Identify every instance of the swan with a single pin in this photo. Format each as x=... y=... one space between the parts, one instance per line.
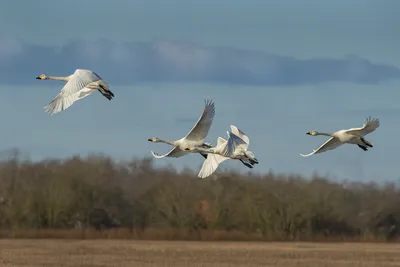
x=237 y=147
x=79 y=85
x=216 y=154
x=194 y=138
x=350 y=136
x=214 y=158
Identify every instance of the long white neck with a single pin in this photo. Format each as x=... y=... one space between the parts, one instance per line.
x=58 y=78
x=206 y=150
x=326 y=134
x=172 y=143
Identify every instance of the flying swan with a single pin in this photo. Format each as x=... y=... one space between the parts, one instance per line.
x=215 y=154
x=194 y=138
x=350 y=136
x=79 y=85
x=237 y=147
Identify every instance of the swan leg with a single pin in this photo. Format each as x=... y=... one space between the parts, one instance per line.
x=366 y=142
x=247 y=164
x=107 y=93
x=253 y=161
x=105 y=89
x=363 y=147
x=204 y=155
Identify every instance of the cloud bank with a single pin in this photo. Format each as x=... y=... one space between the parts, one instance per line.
x=165 y=61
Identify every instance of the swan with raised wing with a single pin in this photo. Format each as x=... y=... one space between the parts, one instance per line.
x=350 y=136
x=78 y=85
x=216 y=157
x=195 y=138
x=238 y=144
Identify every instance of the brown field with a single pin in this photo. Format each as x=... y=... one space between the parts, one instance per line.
x=182 y=253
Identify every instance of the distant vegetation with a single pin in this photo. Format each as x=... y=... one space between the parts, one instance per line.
x=97 y=197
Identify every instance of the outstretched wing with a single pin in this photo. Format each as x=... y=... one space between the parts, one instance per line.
x=173 y=153
x=221 y=141
x=73 y=90
x=60 y=102
x=239 y=133
x=78 y=81
x=210 y=165
x=369 y=126
x=332 y=143
x=234 y=142
x=200 y=130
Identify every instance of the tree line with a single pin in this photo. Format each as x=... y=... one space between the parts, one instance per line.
x=102 y=194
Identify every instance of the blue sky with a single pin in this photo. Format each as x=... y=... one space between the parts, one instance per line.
x=276 y=69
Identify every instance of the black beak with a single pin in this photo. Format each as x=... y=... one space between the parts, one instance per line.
x=150 y=140
x=38 y=78
x=308 y=133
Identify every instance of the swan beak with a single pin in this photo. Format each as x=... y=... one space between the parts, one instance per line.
x=150 y=139
x=38 y=78
x=309 y=133
x=188 y=148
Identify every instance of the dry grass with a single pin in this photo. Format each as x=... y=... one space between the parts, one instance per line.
x=174 y=234
x=185 y=254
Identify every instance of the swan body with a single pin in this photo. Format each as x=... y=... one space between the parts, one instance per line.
x=195 y=137
x=350 y=136
x=237 y=147
x=216 y=155
x=213 y=159
x=78 y=85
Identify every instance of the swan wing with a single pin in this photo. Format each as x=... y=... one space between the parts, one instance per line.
x=234 y=143
x=369 y=126
x=75 y=89
x=239 y=133
x=210 y=165
x=332 y=143
x=60 y=102
x=201 y=128
x=220 y=141
x=176 y=152
x=79 y=80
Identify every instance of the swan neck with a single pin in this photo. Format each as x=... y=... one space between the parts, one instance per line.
x=207 y=150
x=326 y=134
x=58 y=78
x=168 y=142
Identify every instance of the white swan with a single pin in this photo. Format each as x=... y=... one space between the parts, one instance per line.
x=350 y=136
x=214 y=158
x=79 y=85
x=237 y=147
x=194 y=138
x=215 y=155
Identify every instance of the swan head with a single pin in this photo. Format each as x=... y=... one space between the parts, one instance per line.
x=154 y=139
x=42 y=77
x=312 y=133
